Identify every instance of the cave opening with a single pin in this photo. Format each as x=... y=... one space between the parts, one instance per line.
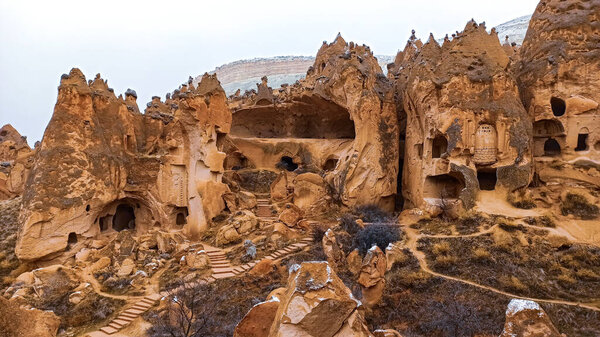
x=439 y=146
x=72 y=239
x=124 y=218
x=311 y=118
x=181 y=218
x=287 y=163
x=487 y=180
x=330 y=164
x=559 y=107
x=104 y=223
x=582 y=140
x=443 y=186
x=551 y=148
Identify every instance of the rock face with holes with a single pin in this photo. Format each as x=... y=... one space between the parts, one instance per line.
x=466 y=129
x=527 y=319
x=339 y=124
x=317 y=303
x=104 y=166
x=559 y=78
x=16 y=159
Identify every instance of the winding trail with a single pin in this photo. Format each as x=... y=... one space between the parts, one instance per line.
x=413 y=237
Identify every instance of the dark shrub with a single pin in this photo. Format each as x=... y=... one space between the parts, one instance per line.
x=372 y=213
x=349 y=224
x=376 y=234
x=578 y=205
x=318 y=232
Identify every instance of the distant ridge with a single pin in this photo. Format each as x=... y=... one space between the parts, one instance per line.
x=244 y=74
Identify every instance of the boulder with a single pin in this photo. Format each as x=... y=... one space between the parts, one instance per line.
x=279 y=187
x=17 y=321
x=331 y=249
x=372 y=276
x=197 y=259
x=290 y=215
x=394 y=253
x=317 y=303
x=263 y=268
x=354 y=262
x=310 y=193
x=55 y=280
x=126 y=267
x=102 y=263
x=227 y=234
x=526 y=318
x=246 y=200
x=258 y=320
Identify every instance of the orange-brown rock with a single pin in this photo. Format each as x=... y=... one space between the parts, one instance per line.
x=466 y=129
x=16 y=159
x=332 y=250
x=16 y=321
x=103 y=166
x=291 y=214
x=263 y=268
x=258 y=320
x=339 y=123
x=526 y=318
x=372 y=276
x=317 y=303
x=559 y=79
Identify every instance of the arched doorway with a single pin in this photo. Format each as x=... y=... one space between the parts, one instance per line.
x=124 y=218
x=551 y=148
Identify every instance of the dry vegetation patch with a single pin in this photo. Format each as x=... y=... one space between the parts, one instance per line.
x=521 y=261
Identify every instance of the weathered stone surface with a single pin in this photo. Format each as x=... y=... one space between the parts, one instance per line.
x=197 y=259
x=16 y=160
x=372 y=276
x=386 y=333
x=317 y=303
x=258 y=320
x=238 y=224
x=464 y=119
x=326 y=124
x=16 y=321
x=310 y=193
x=110 y=167
x=558 y=74
x=332 y=250
x=527 y=319
x=290 y=215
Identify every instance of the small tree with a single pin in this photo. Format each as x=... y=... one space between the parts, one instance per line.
x=184 y=315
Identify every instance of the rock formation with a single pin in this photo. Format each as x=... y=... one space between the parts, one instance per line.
x=339 y=122
x=466 y=129
x=372 y=276
x=103 y=166
x=527 y=319
x=317 y=303
x=16 y=159
x=20 y=322
x=559 y=79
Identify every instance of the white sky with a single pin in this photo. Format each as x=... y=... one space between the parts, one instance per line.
x=153 y=46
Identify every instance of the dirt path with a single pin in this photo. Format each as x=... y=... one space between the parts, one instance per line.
x=488 y=202
x=412 y=238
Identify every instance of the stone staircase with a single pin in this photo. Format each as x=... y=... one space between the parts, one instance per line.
x=221 y=269
x=264 y=210
x=132 y=312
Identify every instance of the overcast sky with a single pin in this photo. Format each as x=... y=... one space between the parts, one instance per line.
x=153 y=46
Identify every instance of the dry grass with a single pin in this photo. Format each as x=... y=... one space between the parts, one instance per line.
x=9 y=226
x=523 y=262
x=579 y=206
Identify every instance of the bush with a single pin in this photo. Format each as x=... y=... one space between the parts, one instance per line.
x=317 y=233
x=540 y=221
x=372 y=213
x=523 y=202
x=376 y=234
x=578 y=205
x=349 y=224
